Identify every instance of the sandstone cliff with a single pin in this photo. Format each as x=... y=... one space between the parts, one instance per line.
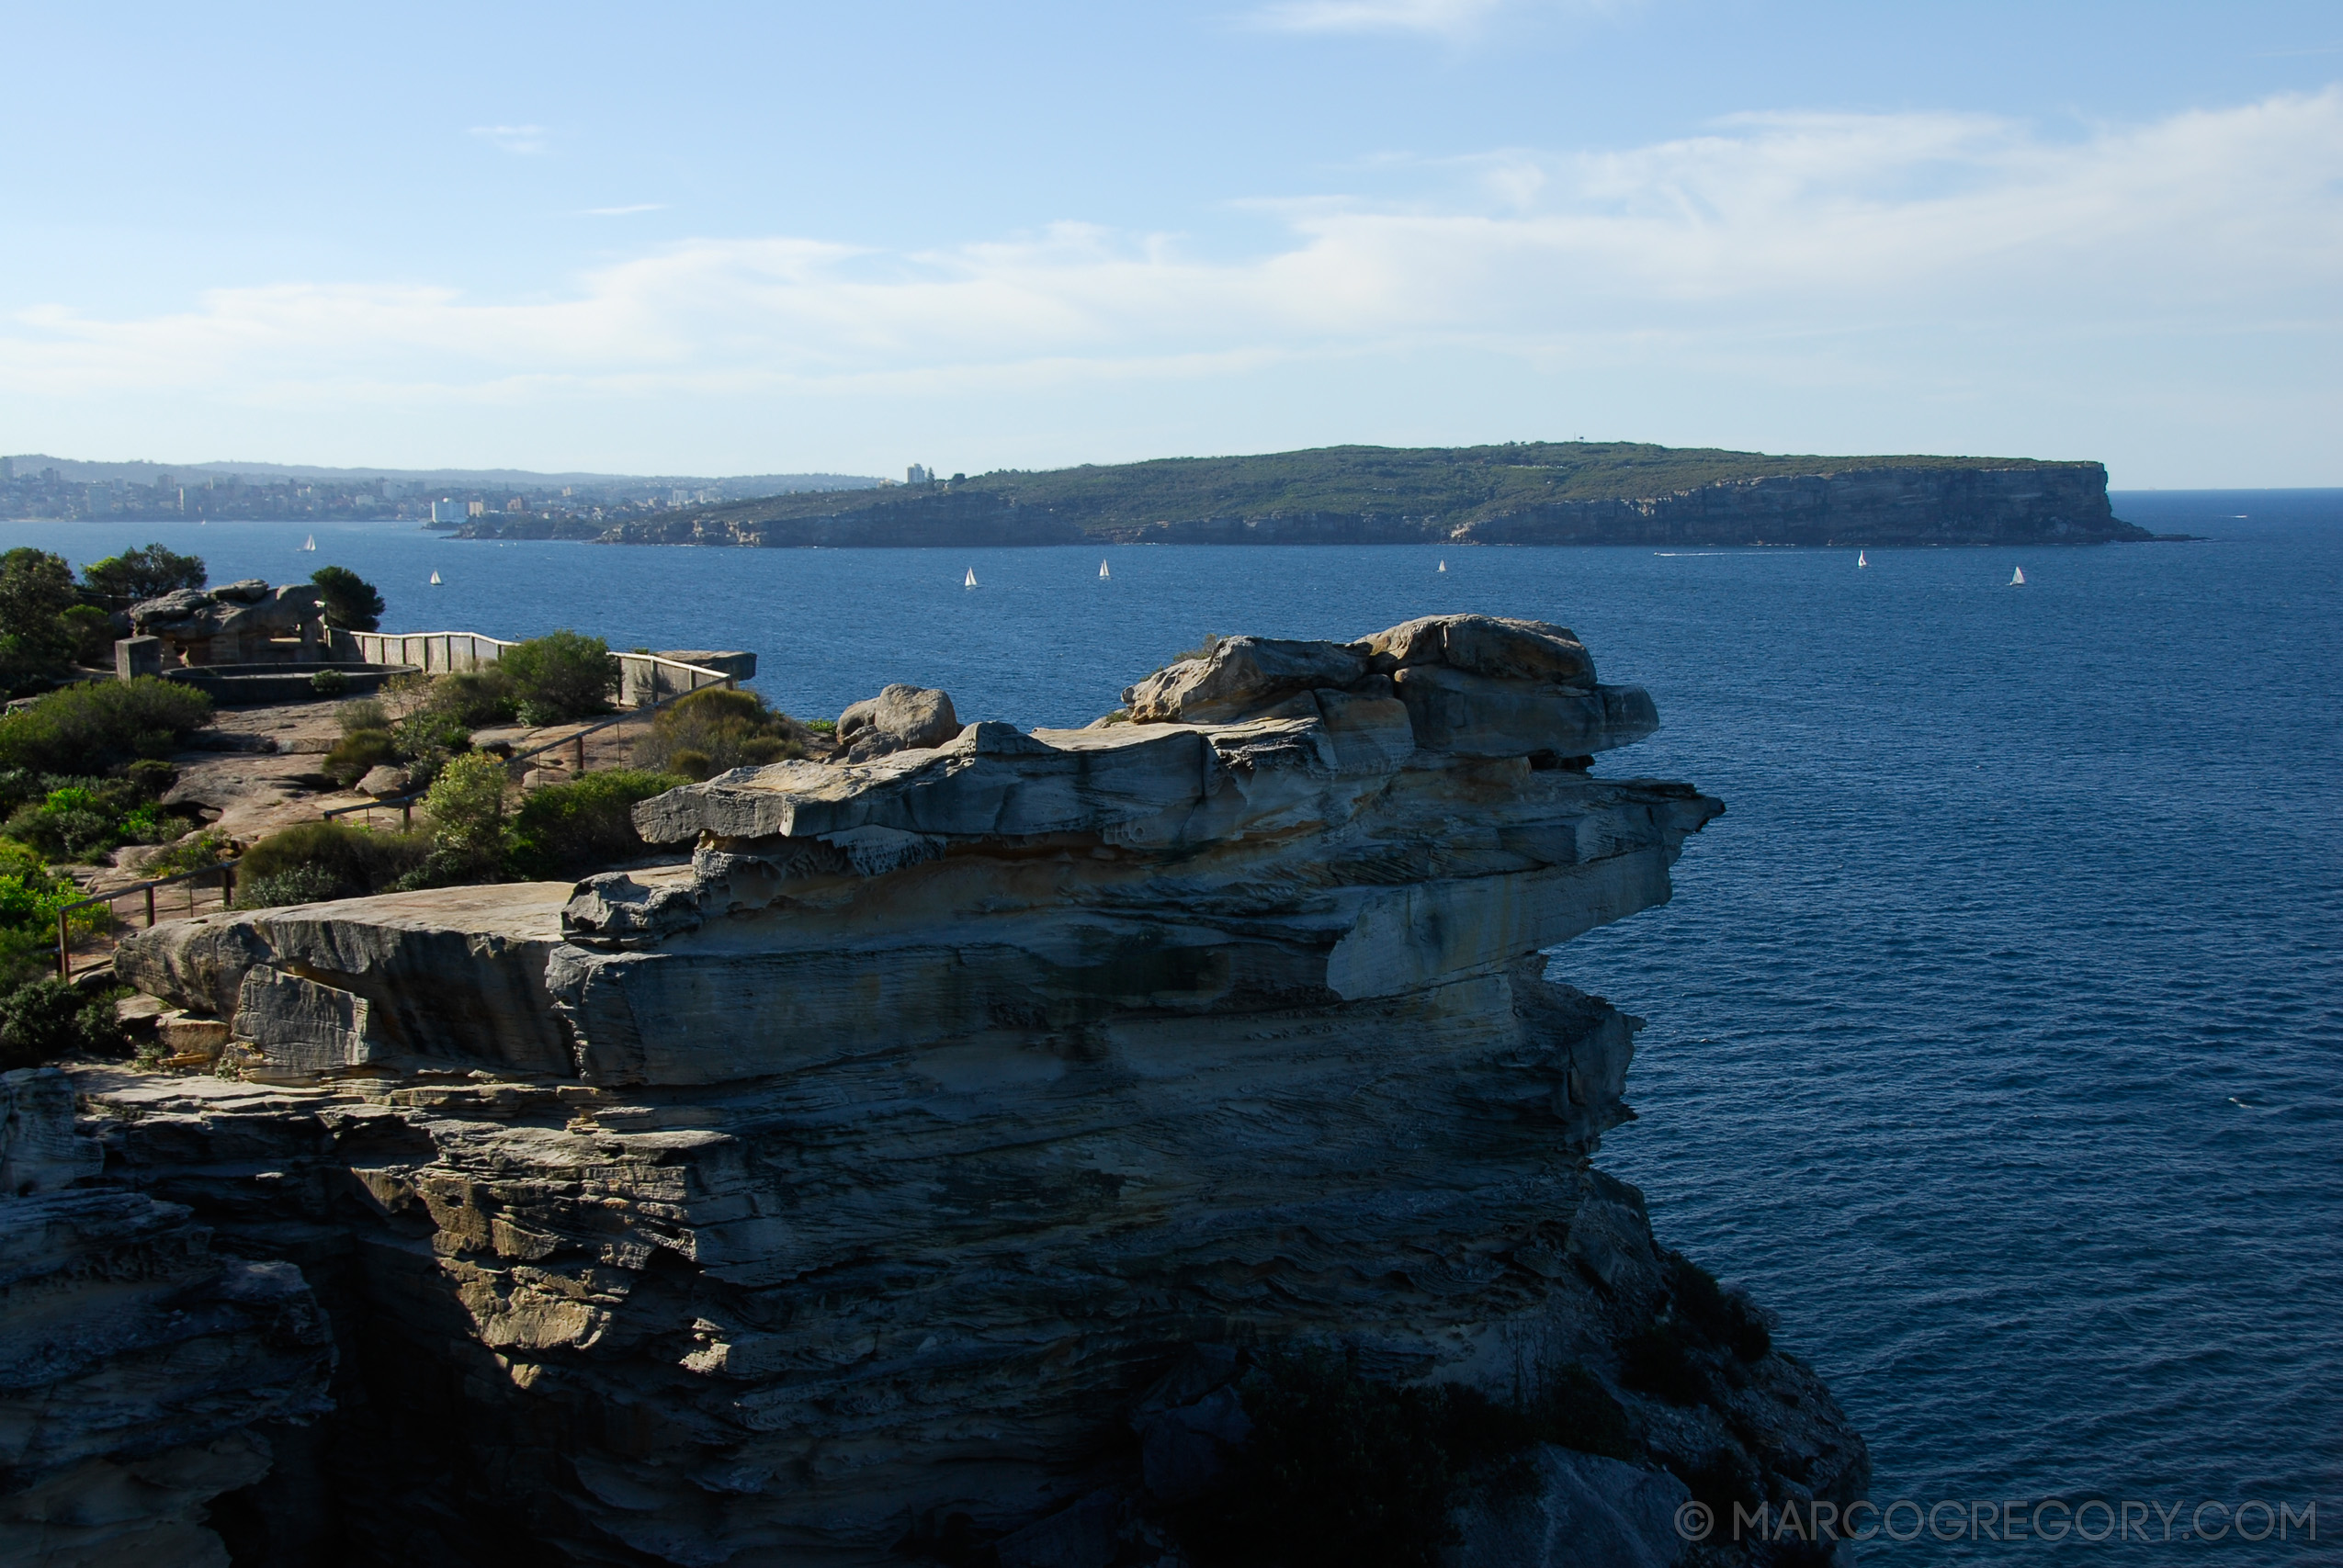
x=915 y=1164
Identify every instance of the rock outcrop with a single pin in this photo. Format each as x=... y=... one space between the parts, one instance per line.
x=142 y=1375
x=878 y=1177
x=235 y=623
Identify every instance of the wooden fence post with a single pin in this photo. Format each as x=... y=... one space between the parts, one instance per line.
x=64 y=950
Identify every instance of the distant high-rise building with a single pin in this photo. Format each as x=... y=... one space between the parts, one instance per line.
x=452 y=511
x=475 y=509
x=916 y=474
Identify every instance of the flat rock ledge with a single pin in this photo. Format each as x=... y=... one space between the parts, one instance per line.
x=914 y=1164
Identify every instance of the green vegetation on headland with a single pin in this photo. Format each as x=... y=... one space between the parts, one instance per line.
x=1523 y=492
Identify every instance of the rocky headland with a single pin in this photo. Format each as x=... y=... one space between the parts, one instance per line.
x=930 y=1155
x=1521 y=493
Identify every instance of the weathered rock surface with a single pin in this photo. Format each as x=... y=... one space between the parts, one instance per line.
x=140 y=1373
x=863 y=1183
x=901 y=718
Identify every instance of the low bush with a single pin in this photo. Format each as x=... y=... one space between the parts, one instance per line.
x=44 y=1020
x=365 y=712
x=195 y=852
x=472 y=698
x=1662 y=1360
x=100 y=725
x=1722 y=1317
x=717 y=729
x=312 y=861
x=1344 y=1472
x=359 y=752
x=88 y=819
x=559 y=677
x=330 y=682
x=31 y=896
x=565 y=830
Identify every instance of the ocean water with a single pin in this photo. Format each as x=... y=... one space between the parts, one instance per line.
x=1995 y=1033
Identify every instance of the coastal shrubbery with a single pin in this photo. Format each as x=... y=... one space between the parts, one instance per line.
x=716 y=729
x=143 y=573
x=558 y=677
x=347 y=600
x=102 y=725
x=1342 y=1471
x=312 y=862
x=568 y=829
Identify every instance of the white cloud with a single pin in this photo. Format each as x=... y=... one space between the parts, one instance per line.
x=524 y=139
x=624 y=212
x=1793 y=246
x=1447 y=18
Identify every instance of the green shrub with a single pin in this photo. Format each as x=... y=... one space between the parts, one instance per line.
x=330 y=682
x=426 y=738
x=86 y=818
x=44 y=1020
x=36 y=590
x=1661 y=1359
x=151 y=777
x=31 y=896
x=312 y=861
x=147 y=574
x=1721 y=1317
x=102 y=725
x=559 y=677
x=195 y=852
x=359 y=752
x=300 y=884
x=466 y=805
x=1344 y=1471
x=365 y=712
x=565 y=830
x=472 y=698
x=716 y=729
x=90 y=631
x=350 y=602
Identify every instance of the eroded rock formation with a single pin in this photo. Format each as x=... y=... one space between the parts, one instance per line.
x=913 y=1167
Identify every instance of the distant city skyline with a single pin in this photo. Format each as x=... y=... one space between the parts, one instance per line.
x=591 y=241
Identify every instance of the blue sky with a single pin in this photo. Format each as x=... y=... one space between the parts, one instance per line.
x=722 y=239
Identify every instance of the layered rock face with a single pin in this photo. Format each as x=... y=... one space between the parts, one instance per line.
x=877 y=1178
x=2048 y=503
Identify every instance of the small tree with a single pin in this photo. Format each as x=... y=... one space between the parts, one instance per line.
x=351 y=602
x=467 y=810
x=559 y=676
x=36 y=590
x=146 y=573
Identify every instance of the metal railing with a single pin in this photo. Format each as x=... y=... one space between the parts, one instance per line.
x=644 y=679
x=224 y=872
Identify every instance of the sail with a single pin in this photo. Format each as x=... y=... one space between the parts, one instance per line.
x=309 y=543
x=1102 y=571
x=1443 y=566
x=971 y=582
x=434 y=579
x=2017 y=578
x=1861 y=559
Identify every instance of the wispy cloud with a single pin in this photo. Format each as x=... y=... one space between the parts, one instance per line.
x=526 y=139
x=623 y=211
x=1447 y=18
x=1781 y=234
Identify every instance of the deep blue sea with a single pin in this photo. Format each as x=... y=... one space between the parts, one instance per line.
x=1996 y=1032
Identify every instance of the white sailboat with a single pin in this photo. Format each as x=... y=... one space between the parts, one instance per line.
x=1861 y=559
x=309 y=543
x=434 y=577
x=1102 y=571
x=1443 y=566
x=2017 y=578
x=971 y=582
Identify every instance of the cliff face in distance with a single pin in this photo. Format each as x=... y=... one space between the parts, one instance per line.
x=1521 y=493
x=930 y=1159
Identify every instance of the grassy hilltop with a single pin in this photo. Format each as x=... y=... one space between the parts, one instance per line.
x=1456 y=484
